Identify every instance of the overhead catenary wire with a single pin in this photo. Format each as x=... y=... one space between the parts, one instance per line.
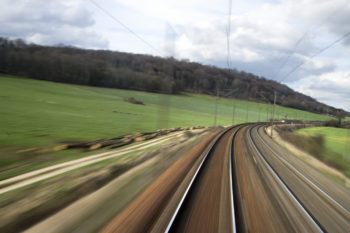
x=335 y=11
x=285 y=61
x=297 y=44
x=170 y=37
x=228 y=35
x=125 y=27
x=316 y=54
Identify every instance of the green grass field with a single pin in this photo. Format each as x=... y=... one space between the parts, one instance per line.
x=336 y=139
x=36 y=113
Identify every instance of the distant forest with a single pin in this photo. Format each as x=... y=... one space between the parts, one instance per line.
x=111 y=69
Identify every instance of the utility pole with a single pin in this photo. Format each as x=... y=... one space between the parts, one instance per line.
x=347 y=146
x=216 y=105
x=163 y=111
x=233 y=112
x=273 y=112
x=246 y=115
x=267 y=115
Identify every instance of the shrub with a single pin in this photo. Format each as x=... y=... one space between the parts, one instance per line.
x=188 y=133
x=132 y=100
x=332 y=123
x=315 y=145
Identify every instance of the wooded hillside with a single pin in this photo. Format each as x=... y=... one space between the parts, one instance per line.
x=141 y=72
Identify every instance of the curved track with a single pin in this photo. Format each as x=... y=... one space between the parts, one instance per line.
x=209 y=205
x=238 y=181
x=312 y=196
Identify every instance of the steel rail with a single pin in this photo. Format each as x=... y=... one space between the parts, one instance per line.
x=284 y=185
x=234 y=224
x=195 y=176
x=308 y=181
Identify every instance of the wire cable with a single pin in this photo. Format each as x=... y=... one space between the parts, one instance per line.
x=316 y=54
x=334 y=12
x=228 y=34
x=289 y=55
x=125 y=27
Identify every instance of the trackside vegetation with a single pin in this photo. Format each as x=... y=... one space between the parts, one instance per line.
x=327 y=144
x=335 y=139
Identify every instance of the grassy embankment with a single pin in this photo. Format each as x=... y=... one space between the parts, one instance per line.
x=328 y=144
x=37 y=113
x=335 y=139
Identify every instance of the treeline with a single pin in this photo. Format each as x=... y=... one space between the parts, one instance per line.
x=141 y=72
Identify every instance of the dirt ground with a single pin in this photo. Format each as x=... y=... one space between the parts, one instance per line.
x=90 y=213
x=141 y=214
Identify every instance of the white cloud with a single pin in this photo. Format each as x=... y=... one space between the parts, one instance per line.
x=50 y=22
x=332 y=16
x=331 y=88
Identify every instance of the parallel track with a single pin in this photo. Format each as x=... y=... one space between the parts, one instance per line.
x=284 y=185
x=305 y=178
x=240 y=182
x=328 y=213
x=181 y=208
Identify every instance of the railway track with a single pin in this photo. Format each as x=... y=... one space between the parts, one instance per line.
x=292 y=196
x=327 y=214
x=236 y=180
x=307 y=180
x=239 y=182
x=187 y=220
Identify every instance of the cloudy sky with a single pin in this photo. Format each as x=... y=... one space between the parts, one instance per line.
x=268 y=37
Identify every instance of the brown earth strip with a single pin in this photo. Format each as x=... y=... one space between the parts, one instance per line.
x=140 y=215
